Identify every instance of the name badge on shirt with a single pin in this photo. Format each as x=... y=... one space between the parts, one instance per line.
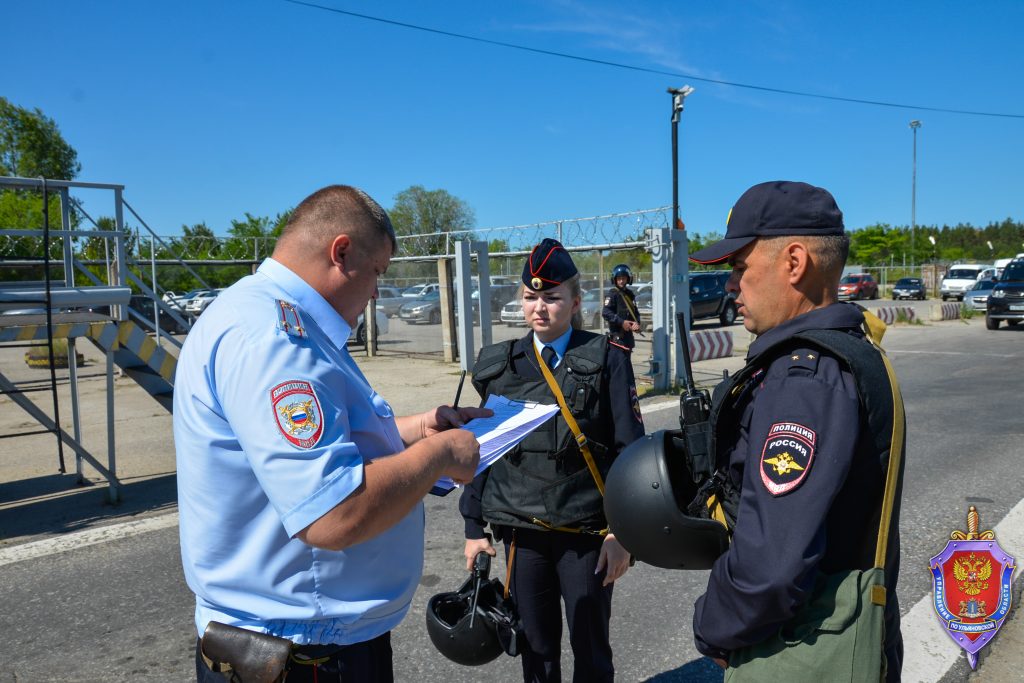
x=297 y=411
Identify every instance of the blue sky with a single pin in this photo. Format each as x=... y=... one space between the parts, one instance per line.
x=206 y=110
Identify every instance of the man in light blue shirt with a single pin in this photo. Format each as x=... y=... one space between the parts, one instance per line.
x=300 y=492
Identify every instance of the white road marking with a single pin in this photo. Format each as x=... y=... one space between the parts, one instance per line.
x=928 y=651
x=86 y=537
x=663 y=405
x=952 y=353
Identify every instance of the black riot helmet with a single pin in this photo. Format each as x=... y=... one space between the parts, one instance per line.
x=622 y=269
x=475 y=624
x=647 y=494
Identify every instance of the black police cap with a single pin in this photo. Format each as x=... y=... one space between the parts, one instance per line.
x=548 y=265
x=776 y=208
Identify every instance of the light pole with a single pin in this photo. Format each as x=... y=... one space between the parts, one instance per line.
x=678 y=95
x=914 y=125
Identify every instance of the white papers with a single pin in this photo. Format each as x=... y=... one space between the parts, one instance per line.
x=511 y=423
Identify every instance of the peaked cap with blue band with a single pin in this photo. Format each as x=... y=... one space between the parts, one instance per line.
x=548 y=265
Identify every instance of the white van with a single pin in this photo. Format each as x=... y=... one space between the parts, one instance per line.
x=962 y=277
x=1003 y=262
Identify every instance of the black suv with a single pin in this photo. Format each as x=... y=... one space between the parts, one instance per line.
x=1006 y=302
x=708 y=299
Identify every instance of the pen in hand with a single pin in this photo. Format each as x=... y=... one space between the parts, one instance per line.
x=458 y=392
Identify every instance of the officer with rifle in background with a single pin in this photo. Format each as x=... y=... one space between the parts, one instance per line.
x=620 y=310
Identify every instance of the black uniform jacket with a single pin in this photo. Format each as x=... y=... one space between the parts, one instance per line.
x=618 y=406
x=803 y=404
x=616 y=311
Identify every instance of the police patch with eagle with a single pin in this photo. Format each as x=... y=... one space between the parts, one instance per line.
x=786 y=457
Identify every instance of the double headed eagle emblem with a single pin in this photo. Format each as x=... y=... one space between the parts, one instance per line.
x=784 y=463
x=972 y=574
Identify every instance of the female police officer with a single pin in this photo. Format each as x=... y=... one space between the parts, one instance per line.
x=544 y=499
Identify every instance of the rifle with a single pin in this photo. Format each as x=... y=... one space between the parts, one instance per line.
x=694 y=416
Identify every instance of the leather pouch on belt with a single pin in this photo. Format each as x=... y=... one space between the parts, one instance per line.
x=253 y=657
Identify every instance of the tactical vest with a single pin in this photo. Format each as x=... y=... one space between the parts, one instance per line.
x=873 y=390
x=544 y=481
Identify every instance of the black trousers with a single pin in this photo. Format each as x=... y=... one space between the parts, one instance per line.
x=549 y=565
x=368 y=662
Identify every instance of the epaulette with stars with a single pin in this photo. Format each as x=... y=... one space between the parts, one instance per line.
x=289 y=320
x=802 y=359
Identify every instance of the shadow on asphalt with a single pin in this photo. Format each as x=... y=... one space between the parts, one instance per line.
x=703 y=670
x=56 y=504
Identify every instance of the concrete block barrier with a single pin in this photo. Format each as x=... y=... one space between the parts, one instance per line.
x=946 y=311
x=889 y=314
x=708 y=344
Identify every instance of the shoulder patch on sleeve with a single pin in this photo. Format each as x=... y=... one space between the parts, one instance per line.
x=289 y=320
x=297 y=412
x=607 y=301
x=787 y=456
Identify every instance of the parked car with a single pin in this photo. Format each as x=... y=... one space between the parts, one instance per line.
x=200 y=302
x=179 y=301
x=500 y=295
x=858 y=286
x=358 y=334
x=417 y=291
x=1006 y=302
x=976 y=298
x=708 y=299
x=425 y=309
x=389 y=300
x=140 y=310
x=909 y=288
x=590 y=309
x=512 y=313
x=962 y=277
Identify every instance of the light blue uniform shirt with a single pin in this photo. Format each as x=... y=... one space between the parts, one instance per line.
x=558 y=345
x=271 y=431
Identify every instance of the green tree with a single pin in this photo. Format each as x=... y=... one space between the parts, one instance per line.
x=31 y=145
x=418 y=211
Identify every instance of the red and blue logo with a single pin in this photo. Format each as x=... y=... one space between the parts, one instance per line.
x=297 y=412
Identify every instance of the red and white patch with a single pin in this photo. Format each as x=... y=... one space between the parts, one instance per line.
x=786 y=457
x=297 y=412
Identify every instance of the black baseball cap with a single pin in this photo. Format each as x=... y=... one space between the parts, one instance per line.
x=548 y=265
x=779 y=207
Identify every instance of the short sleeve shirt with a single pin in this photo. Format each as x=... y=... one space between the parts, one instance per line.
x=273 y=421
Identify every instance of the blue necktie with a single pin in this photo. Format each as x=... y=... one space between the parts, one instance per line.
x=549 y=356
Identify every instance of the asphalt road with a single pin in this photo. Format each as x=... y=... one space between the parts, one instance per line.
x=120 y=610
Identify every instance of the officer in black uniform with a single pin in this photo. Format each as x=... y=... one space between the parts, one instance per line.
x=620 y=309
x=544 y=499
x=804 y=447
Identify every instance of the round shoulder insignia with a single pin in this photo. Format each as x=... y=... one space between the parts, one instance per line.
x=297 y=413
x=786 y=457
x=536 y=284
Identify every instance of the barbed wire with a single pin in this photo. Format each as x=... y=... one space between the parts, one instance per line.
x=606 y=231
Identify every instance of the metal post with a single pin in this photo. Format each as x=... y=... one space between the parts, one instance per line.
x=483 y=271
x=69 y=281
x=122 y=267
x=448 y=342
x=370 y=328
x=914 y=125
x=114 y=494
x=660 y=242
x=463 y=291
x=677 y=275
x=680 y=299
x=152 y=268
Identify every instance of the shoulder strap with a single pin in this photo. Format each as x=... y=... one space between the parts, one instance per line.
x=581 y=438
